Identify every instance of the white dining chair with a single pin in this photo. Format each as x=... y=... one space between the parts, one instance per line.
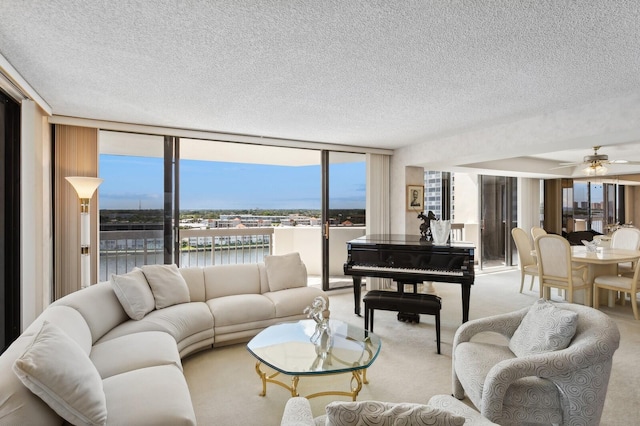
x=625 y=285
x=626 y=239
x=536 y=231
x=556 y=269
x=527 y=262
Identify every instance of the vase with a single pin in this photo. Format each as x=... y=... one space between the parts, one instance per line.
x=440 y=230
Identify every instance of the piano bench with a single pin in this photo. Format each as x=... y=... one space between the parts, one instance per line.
x=403 y=303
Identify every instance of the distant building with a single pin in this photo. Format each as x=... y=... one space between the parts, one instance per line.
x=435 y=183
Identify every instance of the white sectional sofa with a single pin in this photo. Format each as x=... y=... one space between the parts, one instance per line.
x=86 y=360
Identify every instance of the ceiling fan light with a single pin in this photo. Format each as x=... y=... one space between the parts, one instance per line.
x=601 y=170
x=595 y=170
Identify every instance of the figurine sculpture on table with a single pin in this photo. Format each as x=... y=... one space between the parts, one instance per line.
x=321 y=338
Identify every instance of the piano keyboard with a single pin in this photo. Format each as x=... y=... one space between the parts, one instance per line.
x=457 y=273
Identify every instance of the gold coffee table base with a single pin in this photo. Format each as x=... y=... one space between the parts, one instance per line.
x=357 y=376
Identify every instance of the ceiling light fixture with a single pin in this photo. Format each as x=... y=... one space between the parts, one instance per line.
x=595 y=169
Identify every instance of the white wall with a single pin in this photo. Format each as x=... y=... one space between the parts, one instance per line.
x=36 y=231
x=307 y=240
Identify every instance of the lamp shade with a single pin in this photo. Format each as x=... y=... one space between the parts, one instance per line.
x=84 y=186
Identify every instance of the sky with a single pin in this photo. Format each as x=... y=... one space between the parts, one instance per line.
x=580 y=192
x=136 y=182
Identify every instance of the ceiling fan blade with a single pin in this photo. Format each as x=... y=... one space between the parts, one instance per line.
x=623 y=162
x=565 y=165
x=570 y=164
x=619 y=162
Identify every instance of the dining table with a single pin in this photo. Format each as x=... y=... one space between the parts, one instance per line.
x=603 y=261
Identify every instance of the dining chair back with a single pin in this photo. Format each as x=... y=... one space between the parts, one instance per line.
x=536 y=231
x=527 y=262
x=626 y=239
x=626 y=285
x=555 y=268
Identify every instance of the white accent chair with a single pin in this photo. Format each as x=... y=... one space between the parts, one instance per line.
x=527 y=262
x=556 y=269
x=549 y=385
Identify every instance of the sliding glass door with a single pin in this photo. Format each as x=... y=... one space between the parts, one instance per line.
x=498 y=215
x=344 y=212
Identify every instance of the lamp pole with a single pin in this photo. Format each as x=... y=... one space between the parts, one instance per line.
x=85 y=187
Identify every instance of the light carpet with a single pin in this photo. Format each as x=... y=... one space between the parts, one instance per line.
x=225 y=386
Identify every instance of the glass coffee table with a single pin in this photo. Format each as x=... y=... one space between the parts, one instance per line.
x=298 y=349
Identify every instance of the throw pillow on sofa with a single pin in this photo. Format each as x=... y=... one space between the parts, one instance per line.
x=134 y=293
x=363 y=413
x=544 y=328
x=285 y=271
x=55 y=368
x=167 y=285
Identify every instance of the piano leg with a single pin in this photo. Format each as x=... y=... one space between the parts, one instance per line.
x=357 y=286
x=466 y=296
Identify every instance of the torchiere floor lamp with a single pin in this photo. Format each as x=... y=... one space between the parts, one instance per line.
x=85 y=187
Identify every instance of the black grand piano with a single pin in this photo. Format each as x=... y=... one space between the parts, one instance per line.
x=407 y=259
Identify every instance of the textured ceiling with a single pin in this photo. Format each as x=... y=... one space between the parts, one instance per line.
x=384 y=74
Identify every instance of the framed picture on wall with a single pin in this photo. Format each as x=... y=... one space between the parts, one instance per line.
x=415 y=198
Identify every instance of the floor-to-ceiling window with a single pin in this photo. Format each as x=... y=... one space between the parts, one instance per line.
x=131 y=202
x=234 y=200
x=592 y=206
x=9 y=220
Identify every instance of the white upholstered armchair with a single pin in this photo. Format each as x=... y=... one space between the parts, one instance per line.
x=532 y=378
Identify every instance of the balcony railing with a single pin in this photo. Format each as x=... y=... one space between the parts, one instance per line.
x=204 y=247
x=121 y=251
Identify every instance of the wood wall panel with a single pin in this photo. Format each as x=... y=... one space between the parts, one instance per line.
x=75 y=154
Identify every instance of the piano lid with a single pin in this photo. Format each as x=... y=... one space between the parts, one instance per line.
x=404 y=239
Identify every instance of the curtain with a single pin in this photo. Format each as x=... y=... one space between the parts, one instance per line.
x=378 y=205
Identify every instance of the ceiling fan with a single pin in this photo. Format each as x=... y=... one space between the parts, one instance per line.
x=595 y=164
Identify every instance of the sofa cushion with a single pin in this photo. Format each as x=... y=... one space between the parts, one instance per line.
x=294 y=301
x=167 y=284
x=145 y=349
x=194 y=278
x=240 y=309
x=149 y=396
x=67 y=319
x=134 y=293
x=285 y=271
x=99 y=307
x=179 y=321
x=231 y=280
x=363 y=413
x=55 y=368
x=544 y=328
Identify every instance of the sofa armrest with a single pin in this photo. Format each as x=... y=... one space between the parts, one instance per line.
x=553 y=366
x=297 y=412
